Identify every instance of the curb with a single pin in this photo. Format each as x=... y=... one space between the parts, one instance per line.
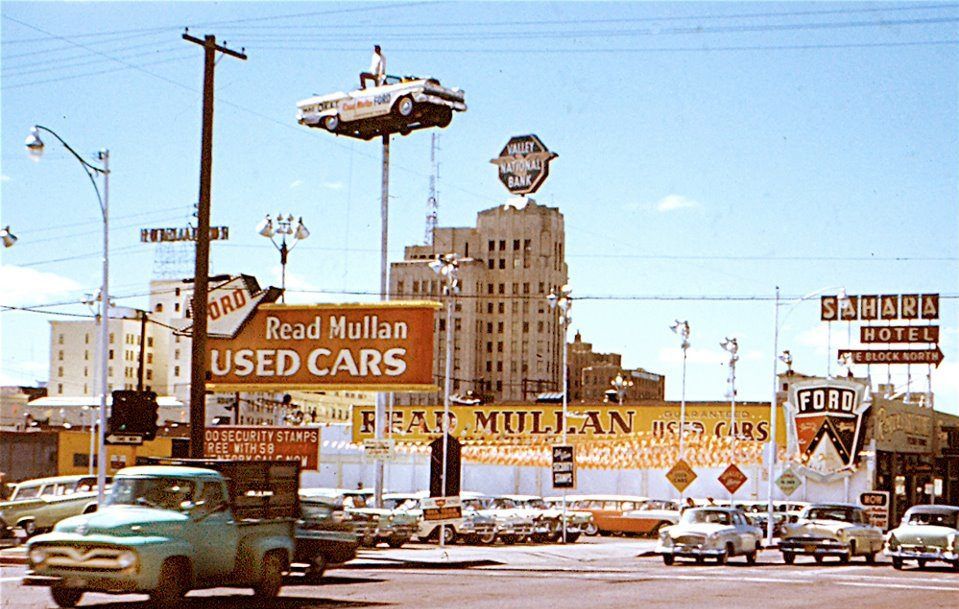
x=404 y=564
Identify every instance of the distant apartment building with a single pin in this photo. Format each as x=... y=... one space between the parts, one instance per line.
x=507 y=341
x=591 y=375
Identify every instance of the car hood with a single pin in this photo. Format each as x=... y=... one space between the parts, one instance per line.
x=818 y=528
x=927 y=535
x=703 y=528
x=120 y=521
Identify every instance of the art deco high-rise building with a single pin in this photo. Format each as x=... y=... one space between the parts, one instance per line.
x=507 y=340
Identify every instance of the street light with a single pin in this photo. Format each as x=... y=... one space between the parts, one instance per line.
x=682 y=329
x=447 y=267
x=35 y=148
x=731 y=346
x=283 y=227
x=8 y=238
x=621 y=384
x=563 y=300
x=786 y=357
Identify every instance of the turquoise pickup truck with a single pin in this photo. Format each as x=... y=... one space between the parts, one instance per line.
x=173 y=526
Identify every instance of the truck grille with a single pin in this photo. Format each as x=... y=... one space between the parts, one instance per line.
x=690 y=540
x=76 y=558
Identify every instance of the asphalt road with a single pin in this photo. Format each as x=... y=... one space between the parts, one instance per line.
x=550 y=577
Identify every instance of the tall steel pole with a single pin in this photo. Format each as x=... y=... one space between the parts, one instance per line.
x=565 y=313
x=773 y=409
x=382 y=397
x=104 y=332
x=446 y=397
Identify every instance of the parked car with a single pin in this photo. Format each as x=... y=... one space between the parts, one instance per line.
x=372 y=525
x=323 y=537
x=927 y=533
x=36 y=505
x=514 y=523
x=174 y=527
x=652 y=516
x=608 y=511
x=548 y=518
x=831 y=529
x=710 y=532
x=401 y=104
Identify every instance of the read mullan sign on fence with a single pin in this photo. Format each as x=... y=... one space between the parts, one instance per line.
x=377 y=347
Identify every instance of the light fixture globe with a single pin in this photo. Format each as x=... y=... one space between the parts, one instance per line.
x=7 y=237
x=34 y=144
x=265 y=227
x=301 y=232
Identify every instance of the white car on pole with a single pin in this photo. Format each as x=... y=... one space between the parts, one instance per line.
x=400 y=105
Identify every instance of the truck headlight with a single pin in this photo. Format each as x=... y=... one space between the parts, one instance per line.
x=127 y=559
x=38 y=556
x=952 y=541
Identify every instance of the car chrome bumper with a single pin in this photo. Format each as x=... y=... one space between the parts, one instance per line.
x=812 y=548
x=691 y=551
x=89 y=582
x=926 y=554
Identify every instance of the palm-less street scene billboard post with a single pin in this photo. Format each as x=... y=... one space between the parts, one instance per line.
x=201 y=395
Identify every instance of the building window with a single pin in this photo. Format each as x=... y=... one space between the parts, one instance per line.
x=60 y=339
x=111 y=338
x=86 y=355
x=176 y=306
x=489 y=366
x=489 y=346
x=491 y=263
x=489 y=307
x=111 y=353
x=159 y=308
x=499 y=346
x=110 y=371
x=176 y=371
x=60 y=371
x=502 y=308
x=491 y=245
x=525 y=327
x=149 y=375
x=86 y=339
x=176 y=292
x=499 y=366
x=176 y=354
x=501 y=288
x=502 y=263
x=60 y=388
x=499 y=327
x=489 y=327
x=499 y=386
x=60 y=356
x=86 y=371
x=400 y=287
x=515 y=245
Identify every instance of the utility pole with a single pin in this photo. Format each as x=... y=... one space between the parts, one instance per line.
x=202 y=268
x=143 y=349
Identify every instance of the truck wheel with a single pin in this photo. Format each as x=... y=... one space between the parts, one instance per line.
x=592 y=530
x=896 y=563
x=571 y=537
x=271 y=576
x=922 y=563
x=172 y=585
x=668 y=559
x=330 y=123
x=449 y=535
x=66 y=597
x=396 y=542
x=789 y=558
x=871 y=558
x=314 y=573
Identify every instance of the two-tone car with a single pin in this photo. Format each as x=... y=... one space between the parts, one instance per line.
x=548 y=519
x=718 y=533
x=928 y=533
x=652 y=516
x=401 y=104
x=831 y=529
x=35 y=506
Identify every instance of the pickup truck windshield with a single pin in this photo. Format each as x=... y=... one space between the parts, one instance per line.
x=162 y=493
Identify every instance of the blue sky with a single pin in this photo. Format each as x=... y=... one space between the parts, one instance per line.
x=705 y=150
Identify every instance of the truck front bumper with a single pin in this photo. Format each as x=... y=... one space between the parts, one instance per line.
x=813 y=547
x=691 y=551
x=91 y=583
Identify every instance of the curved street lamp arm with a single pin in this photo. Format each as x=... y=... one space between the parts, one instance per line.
x=88 y=167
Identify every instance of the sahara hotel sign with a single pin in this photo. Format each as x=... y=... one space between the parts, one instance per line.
x=384 y=346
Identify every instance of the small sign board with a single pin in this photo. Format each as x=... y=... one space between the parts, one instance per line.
x=876 y=504
x=681 y=475
x=442 y=510
x=788 y=482
x=252 y=443
x=128 y=439
x=183 y=233
x=564 y=467
x=379 y=448
x=893 y=356
x=732 y=478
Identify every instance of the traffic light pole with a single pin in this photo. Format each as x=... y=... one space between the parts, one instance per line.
x=381 y=397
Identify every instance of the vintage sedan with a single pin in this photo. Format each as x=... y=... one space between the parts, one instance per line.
x=323 y=537
x=928 y=533
x=652 y=516
x=608 y=512
x=710 y=532
x=400 y=105
x=831 y=529
x=548 y=518
x=35 y=506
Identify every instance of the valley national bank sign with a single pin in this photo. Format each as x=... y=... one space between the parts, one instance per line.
x=367 y=347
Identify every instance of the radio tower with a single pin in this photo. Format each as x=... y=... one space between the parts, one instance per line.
x=432 y=205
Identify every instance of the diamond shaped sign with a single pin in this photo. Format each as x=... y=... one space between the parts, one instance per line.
x=681 y=475
x=788 y=482
x=732 y=478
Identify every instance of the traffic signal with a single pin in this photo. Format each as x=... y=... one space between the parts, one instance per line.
x=134 y=413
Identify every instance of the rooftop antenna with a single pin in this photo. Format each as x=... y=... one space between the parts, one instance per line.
x=432 y=204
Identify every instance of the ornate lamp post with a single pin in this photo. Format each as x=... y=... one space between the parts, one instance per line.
x=621 y=384
x=7 y=237
x=563 y=301
x=283 y=227
x=447 y=267
x=35 y=147
x=682 y=329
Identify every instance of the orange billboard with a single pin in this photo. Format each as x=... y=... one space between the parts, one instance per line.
x=369 y=347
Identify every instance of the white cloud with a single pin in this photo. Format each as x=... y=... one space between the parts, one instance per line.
x=25 y=286
x=673 y=202
x=4 y=178
x=334 y=185
x=296 y=184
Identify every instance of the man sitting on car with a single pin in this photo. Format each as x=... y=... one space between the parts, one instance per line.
x=377 y=71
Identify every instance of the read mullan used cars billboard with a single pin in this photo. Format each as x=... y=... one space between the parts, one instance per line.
x=367 y=347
